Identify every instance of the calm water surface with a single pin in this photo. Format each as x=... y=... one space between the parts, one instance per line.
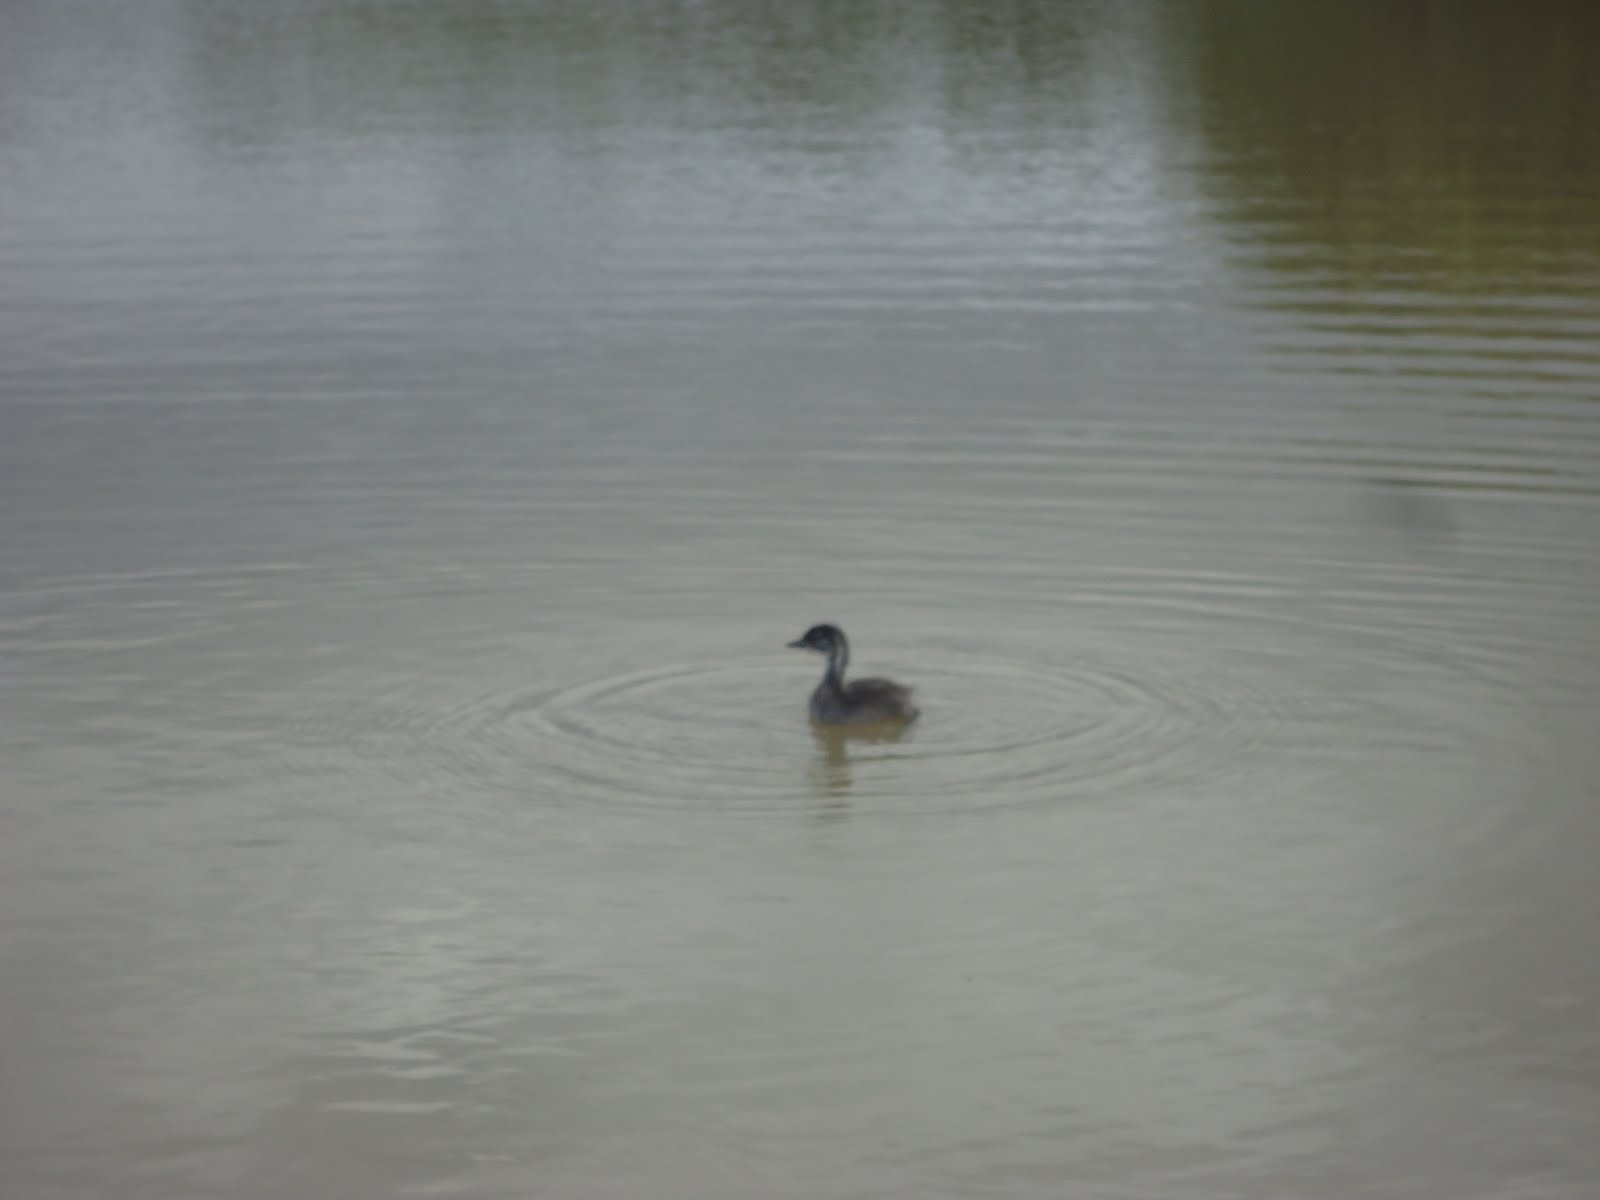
x=422 y=425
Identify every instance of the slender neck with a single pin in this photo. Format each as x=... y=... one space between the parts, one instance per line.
x=837 y=658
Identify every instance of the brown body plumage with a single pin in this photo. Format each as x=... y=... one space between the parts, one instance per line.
x=860 y=702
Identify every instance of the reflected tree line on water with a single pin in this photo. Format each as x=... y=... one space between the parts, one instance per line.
x=1456 y=142
x=598 y=63
x=1452 y=144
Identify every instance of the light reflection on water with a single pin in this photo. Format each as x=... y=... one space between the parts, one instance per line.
x=422 y=426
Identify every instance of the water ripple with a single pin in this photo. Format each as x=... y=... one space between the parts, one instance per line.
x=730 y=736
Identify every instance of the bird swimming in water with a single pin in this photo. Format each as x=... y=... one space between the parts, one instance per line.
x=862 y=702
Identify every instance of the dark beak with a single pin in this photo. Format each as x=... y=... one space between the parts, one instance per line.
x=798 y=644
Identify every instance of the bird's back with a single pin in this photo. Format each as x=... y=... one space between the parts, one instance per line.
x=862 y=702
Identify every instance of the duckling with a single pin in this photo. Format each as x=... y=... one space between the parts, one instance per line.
x=863 y=702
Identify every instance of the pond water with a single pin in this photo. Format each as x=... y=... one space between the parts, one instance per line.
x=423 y=425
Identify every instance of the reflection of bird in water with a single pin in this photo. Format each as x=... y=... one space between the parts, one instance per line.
x=832 y=772
x=862 y=702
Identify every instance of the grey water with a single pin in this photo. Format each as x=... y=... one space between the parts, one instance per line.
x=422 y=426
